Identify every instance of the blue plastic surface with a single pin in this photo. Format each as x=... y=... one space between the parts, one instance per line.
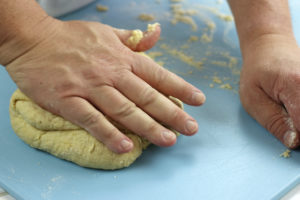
x=232 y=157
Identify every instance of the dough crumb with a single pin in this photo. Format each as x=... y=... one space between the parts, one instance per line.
x=217 y=80
x=161 y=63
x=184 y=16
x=219 y=63
x=286 y=154
x=135 y=38
x=154 y=54
x=227 y=18
x=226 y=86
x=146 y=17
x=193 y=38
x=205 y=38
x=182 y=56
x=152 y=27
x=137 y=35
x=102 y=8
x=185 y=46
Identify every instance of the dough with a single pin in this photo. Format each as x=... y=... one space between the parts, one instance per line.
x=45 y=131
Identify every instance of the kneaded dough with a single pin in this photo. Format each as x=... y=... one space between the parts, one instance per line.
x=45 y=131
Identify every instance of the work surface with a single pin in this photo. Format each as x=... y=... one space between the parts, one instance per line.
x=231 y=156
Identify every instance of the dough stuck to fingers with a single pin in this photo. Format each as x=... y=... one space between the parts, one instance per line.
x=45 y=131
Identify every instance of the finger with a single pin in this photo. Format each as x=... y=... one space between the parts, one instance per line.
x=270 y=115
x=166 y=82
x=155 y=104
x=137 y=40
x=291 y=100
x=120 y=109
x=83 y=114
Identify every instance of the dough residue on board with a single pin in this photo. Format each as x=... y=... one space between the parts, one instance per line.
x=193 y=38
x=154 y=54
x=146 y=17
x=184 y=16
x=286 y=154
x=45 y=131
x=102 y=8
x=182 y=56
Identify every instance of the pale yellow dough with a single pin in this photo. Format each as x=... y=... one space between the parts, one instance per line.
x=43 y=130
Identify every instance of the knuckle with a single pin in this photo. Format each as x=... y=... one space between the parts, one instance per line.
x=147 y=96
x=160 y=76
x=126 y=109
x=276 y=125
x=295 y=77
x=90 y=119
x=121 y=75
x=175 y=115
x=110 y=135
x=150 y=129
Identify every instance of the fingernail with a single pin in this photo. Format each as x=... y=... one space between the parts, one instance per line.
x=191 y=126
x=290 y=139
x=126 y=145
x=198 y=98
x=168 y=136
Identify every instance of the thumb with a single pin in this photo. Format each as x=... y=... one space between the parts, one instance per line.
x=137 y=40
x=272 y=116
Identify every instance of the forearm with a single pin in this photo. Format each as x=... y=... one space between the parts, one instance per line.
x=18 y=27
x=257 y=18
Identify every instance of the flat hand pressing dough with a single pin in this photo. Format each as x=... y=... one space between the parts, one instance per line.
x=45 y=131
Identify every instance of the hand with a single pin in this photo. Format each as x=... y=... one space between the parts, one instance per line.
x=270 y=86
x=83 y=71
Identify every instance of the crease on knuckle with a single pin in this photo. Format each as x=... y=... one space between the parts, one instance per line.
x=121 y=75
x=109 y=136
x=175 y=115
x=125 y=110
x=90 y=120
x=147 y=97
x=276 y=125
x=150 y=129
x=160 y=76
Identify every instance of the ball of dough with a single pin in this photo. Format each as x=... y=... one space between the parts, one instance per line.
x=45 y=131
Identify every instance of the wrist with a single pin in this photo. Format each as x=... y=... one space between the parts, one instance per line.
x=18 y=43
x=253 y=44
x=257 y=20
x=22 y=24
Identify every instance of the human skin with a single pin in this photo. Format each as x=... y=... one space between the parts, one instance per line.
x=83 y=71
x=270 y=76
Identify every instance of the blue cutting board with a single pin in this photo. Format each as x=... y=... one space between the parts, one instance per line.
x=231 y=157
